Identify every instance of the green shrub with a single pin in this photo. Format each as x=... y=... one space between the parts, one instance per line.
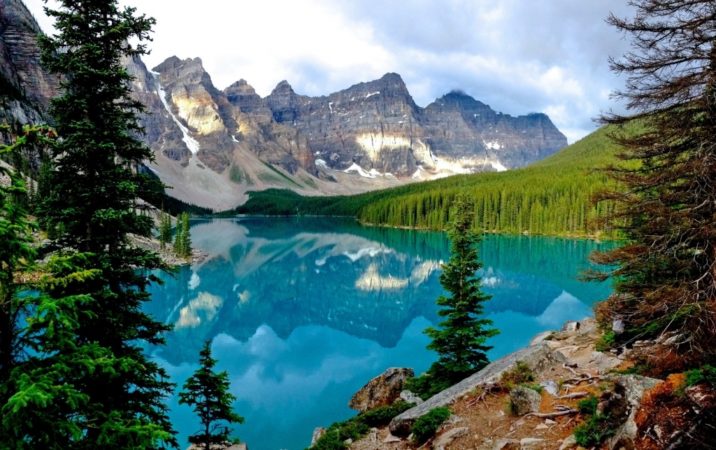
x=592 y=432
x=382 y=415
x=426 y=386
x=704 y=374
x=425 y=427
x=357 y=427
x=588 y=405
x=520 y=374
x=606 y=341
x=336 y=435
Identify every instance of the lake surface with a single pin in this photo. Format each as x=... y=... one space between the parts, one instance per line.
x=303 y=312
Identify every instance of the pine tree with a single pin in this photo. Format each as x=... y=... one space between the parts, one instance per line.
x=461 y=339
x=15 y=252
x=91 y=206
x=185 y=236
x=208 y=392
x=666 y=273
x=165 y=229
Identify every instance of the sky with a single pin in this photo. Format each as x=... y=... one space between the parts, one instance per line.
x=518 y=56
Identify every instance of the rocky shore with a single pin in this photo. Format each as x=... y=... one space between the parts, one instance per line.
x=573 y=389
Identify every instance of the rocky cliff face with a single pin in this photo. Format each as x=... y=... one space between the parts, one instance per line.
x=25 y=87
x=462 y=128
x=376 y=128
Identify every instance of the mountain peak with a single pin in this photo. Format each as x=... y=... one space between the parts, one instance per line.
x=242 y=86
x=283 y=87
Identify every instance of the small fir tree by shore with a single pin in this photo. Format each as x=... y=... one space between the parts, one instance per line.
x=461 y=339
x=208 y=392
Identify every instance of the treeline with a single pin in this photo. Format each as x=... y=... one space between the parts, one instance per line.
x=552 y=197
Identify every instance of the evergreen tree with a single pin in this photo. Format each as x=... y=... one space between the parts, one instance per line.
x=15 y=253
x=208 y=392
x=165 y=229
x=178 y=239
x=461 y=339
x=91 y=206
x=665 y=274
x=185 y=244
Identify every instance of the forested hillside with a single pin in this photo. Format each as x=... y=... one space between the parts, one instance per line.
x=551 y=197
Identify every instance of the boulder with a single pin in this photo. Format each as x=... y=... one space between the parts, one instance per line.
x=381 y=390
x=536 y=357
x=524 y=400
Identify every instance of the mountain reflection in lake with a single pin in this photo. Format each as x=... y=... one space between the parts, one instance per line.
x=303 y=312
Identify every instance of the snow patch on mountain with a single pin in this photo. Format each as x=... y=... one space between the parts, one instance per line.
x=191 y=143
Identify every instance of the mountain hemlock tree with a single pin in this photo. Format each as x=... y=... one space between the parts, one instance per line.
x=461 y=339
x=208 y=392
x=91 y=208
x=666 y=273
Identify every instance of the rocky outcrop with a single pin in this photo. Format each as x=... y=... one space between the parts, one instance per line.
x=535 y=357
x=381 y=390
x=25 y=87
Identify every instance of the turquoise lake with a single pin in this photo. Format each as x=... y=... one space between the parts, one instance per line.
x=303 y=312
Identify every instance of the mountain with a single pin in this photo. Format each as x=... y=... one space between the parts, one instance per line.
x=552 y=196
x=212 y=146
x=25 y=87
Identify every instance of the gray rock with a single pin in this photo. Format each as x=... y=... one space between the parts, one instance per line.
x=633 y=387
x=410 y=397
x=381 y=390
x=618 y=326
x=571 y=326
x=318 y=433
x=446 y=438
x=536 y=357
x=550 y=386
x=524 y=400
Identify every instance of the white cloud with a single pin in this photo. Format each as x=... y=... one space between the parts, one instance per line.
x=518 y=56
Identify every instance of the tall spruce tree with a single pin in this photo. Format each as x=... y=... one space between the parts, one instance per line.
x=165 y=229
x=185 y=236
x=461 y=340
x=91 y=207
x=208 y=392
x=666 y=273
x=15 y=253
